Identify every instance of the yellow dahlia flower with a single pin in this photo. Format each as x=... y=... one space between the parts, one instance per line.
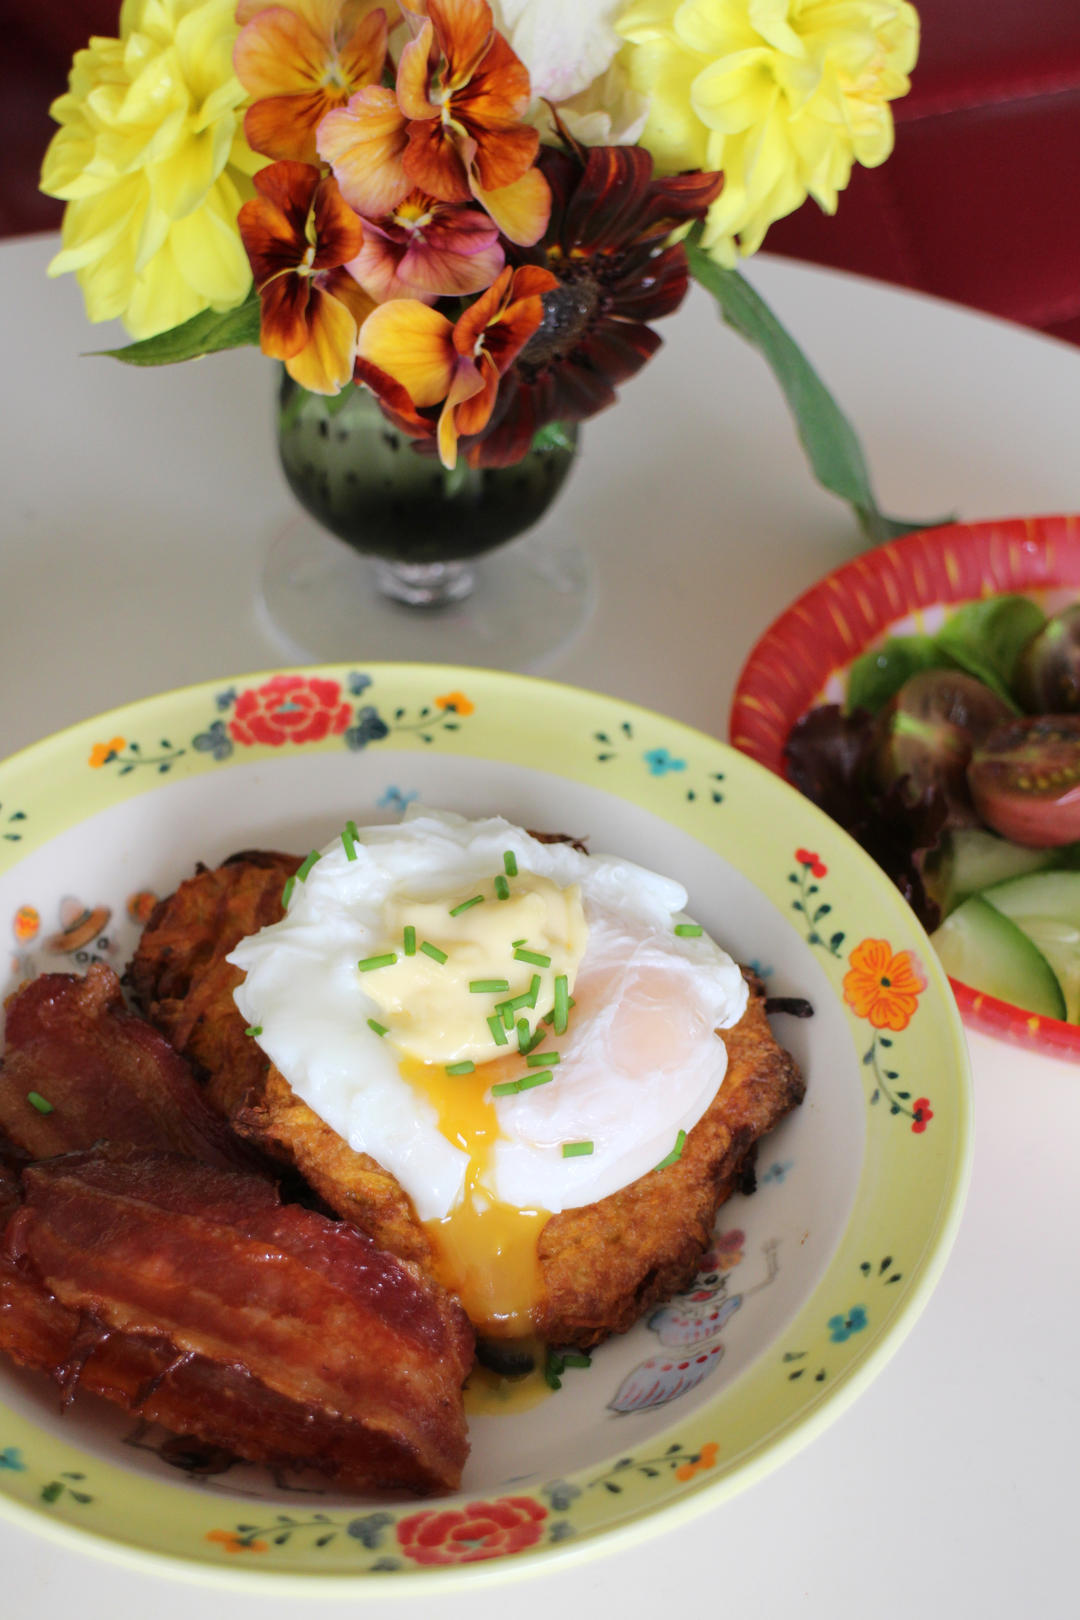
x=783 y=95
x=152 y=162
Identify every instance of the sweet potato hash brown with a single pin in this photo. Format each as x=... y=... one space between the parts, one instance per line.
x=602 y=1266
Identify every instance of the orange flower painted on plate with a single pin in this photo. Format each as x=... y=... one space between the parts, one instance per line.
x=102 y=753
x=26 y=924
x=230 y=1542
x=882 y=985
x=457 y=701
x=300 y=59
x=706 y=1458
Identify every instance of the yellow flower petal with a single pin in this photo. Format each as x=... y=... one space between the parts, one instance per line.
x=150 y=144
x=414 y=345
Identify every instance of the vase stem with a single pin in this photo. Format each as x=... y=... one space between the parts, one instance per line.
x=424 y=585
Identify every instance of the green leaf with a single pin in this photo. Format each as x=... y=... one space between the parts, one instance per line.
x=205 y=333
x=986 y=638
x=554 y=436
x=830 y=441
x=880 y=673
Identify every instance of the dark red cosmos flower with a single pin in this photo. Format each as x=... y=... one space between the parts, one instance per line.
x=607 y=245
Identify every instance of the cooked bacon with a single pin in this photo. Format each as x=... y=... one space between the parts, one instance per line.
x=104 y=1073
x=193 y=1296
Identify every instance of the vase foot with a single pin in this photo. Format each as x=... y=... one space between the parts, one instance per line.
x=521 y=604
x=424 y=585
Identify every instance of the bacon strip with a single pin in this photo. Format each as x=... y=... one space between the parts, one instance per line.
x=195 y=1297
x=105 y=1074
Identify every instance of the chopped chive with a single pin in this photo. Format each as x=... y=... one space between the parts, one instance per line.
x=510 y=863
x=502 y=888
x=385 y=960
x=433 y=951
x=36 y=1100
x=536 y=1058
x=537 y=958
x=534 y=989
x=465 y=1067
x=576 y=1150
x=286 y=893
x=410 y=940
x=466 y=905
x=561 y=1008
x=516 y=942
x=488 y=987
x=253 y=1029
x=506 y=1010
x=302 y=874
x=527 y=1045
x=576 y=1358
x=538 y=1077
x=380 y=1029
x=498 y=1034
x=688 y=930
x=524 y=1034
x=676 y=1153
x=505 y=1088
x=348 y=838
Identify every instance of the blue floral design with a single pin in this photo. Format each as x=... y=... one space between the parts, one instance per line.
x=777 y=1171
x=397 y=801
x=369 y=727
x=660 y=761
x=216 y=741
x=358 y=683
x=760 y=969
x=226 y=699
x=11 y=1457
x=842 y=1327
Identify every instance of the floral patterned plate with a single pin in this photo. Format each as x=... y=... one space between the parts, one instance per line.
x=906 y=587
x=810 y=1283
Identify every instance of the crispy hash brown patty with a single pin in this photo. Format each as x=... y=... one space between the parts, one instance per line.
x=602 y=1266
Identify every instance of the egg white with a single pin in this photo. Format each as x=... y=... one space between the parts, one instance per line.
x=639 y=1063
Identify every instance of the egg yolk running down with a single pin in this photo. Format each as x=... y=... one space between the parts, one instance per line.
x=509 y=1028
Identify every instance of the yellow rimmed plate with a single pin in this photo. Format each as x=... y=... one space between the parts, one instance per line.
x=810 y=1282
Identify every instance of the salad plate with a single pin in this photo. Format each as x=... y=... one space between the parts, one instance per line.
x=909 y=586
x=811 y=1281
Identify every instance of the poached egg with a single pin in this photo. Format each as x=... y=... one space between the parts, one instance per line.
x=510 y=1028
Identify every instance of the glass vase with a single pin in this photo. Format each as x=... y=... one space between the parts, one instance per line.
x=395 y=556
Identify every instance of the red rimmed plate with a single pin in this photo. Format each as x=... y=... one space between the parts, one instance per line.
x=907 y=584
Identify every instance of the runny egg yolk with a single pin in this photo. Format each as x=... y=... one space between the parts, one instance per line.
x=486 y=1250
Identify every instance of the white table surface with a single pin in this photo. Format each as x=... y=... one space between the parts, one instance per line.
x=136 y=509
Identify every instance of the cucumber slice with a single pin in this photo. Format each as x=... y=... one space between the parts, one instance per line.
x=977 y=858
x=1046 y=905
x=982 y=947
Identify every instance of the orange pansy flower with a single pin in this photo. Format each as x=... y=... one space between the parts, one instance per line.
x=426 y=249
x=453 y=129
x=414 y=358
x=299 y=233
x=882 y=985
x=298 y=60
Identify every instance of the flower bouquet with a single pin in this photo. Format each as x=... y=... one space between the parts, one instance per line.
x=470 y=213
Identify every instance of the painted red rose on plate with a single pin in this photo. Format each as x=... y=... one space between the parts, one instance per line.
x=477 y=1530
x=289 y=708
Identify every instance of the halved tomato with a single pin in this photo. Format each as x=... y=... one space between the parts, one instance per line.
x=1025 y=780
